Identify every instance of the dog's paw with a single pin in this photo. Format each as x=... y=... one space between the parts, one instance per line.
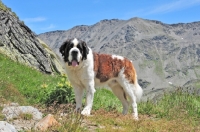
x=86 y=111
x=135 y=117
x=77 y=110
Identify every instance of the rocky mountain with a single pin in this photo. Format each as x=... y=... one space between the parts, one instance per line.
x=19 y=43
x=164 y=55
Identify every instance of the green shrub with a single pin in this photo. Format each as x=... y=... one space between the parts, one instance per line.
x=62 y=93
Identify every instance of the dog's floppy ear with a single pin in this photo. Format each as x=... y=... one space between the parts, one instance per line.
x=63 y=50
x=85 y=50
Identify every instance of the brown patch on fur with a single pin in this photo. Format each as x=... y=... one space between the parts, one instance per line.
x=106 y=67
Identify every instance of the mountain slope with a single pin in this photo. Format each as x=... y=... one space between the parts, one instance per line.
x=19 y=43
x=161 y=53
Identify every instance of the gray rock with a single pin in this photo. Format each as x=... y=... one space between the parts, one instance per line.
x=56 y=63
x=11 y=112
x=6 y=127
x=14 y=116
x=23 y=125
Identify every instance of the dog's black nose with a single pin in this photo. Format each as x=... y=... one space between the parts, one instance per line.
x=74 y=52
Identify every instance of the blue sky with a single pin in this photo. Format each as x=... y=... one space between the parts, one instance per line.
x=50 y=15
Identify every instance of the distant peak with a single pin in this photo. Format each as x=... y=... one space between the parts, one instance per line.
x=136 y=18
x=110 y=20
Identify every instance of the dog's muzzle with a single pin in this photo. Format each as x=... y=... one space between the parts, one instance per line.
x=74 y=61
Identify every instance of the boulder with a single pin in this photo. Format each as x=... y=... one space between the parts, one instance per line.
x=6 y=127
x=46 y=122
x=11 y=112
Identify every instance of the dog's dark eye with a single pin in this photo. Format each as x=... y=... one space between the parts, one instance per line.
x=71 y=46
x=78 y=46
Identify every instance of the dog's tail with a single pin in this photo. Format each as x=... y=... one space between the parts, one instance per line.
x=138 y=91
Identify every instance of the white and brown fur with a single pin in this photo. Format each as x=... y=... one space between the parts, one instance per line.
x=87 y=70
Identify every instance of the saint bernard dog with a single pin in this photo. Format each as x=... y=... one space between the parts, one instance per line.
x=87 y=70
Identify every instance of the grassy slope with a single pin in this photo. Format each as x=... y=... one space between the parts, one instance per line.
x=22 y=81
x=176 y=112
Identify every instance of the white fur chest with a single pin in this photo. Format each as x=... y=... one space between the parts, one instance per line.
x=80 y=76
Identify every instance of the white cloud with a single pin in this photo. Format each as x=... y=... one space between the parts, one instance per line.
x=51 y=26
x=35 y=19
x=173 y=6
x=164 y=8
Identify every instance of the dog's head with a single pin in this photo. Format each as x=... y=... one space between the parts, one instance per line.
x=74 y=51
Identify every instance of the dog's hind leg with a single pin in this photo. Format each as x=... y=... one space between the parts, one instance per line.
x=130 y=91
x=119 y=92
x=128 y=88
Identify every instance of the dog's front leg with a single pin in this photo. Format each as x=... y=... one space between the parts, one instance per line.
x=78 y=97
x=90 y=90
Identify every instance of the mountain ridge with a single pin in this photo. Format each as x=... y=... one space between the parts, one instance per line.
x=161 y=53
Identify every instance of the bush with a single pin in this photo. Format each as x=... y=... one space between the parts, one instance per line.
x=62 y=93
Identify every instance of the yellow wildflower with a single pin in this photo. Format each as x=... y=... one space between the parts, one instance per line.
x=60 y=85
x=68 y=83
x=44 y=85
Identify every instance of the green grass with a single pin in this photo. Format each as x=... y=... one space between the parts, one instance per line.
x=153 y=63
x=175 y=112
x=172 y=105
x=2 y=6
x=9 y=93
x=27 y=81
x=108 y=101
x=2 y=116
x=197 y=85
x=25 y=116
x=158 y=68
